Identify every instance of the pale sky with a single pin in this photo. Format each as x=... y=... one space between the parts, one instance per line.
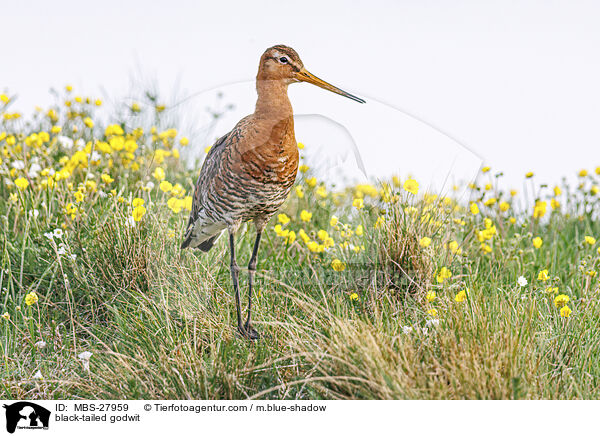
x=517 y=83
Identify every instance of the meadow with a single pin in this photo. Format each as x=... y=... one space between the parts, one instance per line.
x=373 y=291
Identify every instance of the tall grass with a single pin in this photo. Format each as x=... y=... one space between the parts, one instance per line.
x=385 y=323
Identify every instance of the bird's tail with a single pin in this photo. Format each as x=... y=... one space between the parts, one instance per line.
x=204 y=246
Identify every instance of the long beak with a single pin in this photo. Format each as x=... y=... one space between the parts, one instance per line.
x=305 y=76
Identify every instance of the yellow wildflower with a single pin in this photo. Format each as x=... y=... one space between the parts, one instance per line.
x=565 y=311
x=474 y=208
x=543 y=275
x=425 y=242
x=322 y=235
x=302 y=234
x=175 y=204
x=305 y=215
x=453 y=246
x=137 y=202
x=358 y=203
x=353 y=296
x=187 y=203
x=338 y=265
x=283 y=218
x=540 y=209
x=430 y=296
x=460 y=297
x=138 y=213
x=165 y=186
x=537 y=242
x=159 y=173
x=22 y=183
x=561 y=300
x=291 y=237
x=31 y=298
x=315 y=247
x=412 y=186
x=590 y=240
x=443 y=274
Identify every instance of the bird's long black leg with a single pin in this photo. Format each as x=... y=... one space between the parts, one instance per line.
x=252 y=333
x=236 y=286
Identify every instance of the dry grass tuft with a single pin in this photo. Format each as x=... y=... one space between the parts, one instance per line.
x=407 y=267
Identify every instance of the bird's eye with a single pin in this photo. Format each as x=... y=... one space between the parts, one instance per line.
x=283 y=60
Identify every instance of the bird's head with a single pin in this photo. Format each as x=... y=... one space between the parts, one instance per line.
x=281 y=62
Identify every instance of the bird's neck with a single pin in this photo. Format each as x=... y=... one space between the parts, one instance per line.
x=273 y=101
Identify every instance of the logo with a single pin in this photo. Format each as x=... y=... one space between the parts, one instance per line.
x=26 y=415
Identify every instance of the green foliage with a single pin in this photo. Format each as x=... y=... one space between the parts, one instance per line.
x=361 y=299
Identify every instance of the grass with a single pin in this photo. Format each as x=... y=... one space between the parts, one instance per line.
x=385 y=323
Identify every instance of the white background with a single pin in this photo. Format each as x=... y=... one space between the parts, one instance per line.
x=514 y=81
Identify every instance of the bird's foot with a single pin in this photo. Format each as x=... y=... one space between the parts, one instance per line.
x=248 y=332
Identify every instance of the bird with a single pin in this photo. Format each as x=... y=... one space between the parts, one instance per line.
x=249 y=172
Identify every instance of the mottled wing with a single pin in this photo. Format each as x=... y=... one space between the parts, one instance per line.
x=209 y=169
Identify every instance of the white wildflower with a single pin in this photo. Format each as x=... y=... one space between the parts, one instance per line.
x=58 y=233
x=38 y=375
x=85 y=359
x=34 y=169
x=34 y=213
x=40 y=344
x=18 y=165
x=432 y=322
x=406 y=329
x=522 y=281
x=65 y=141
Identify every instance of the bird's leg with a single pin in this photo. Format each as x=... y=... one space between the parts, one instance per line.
x=252 y=333
x=236 y=286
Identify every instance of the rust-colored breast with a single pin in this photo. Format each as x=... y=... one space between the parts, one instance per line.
x=270 y=156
